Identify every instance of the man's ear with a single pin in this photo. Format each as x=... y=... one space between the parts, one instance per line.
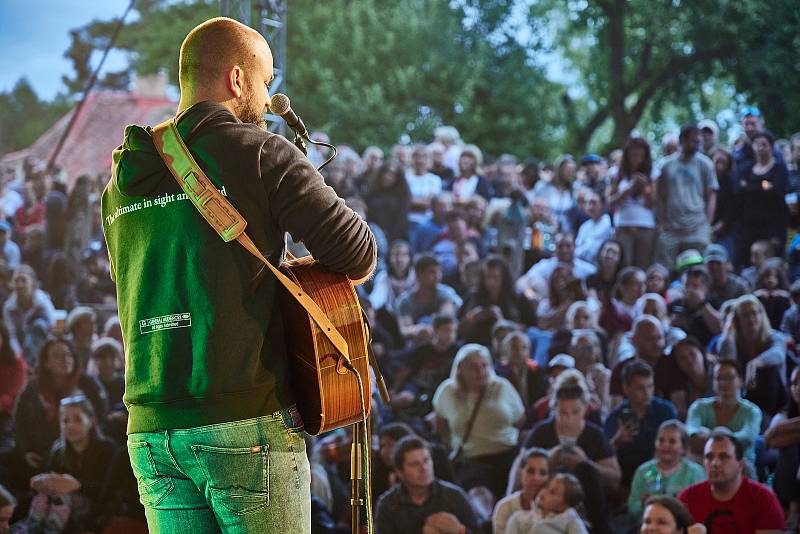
x=234 y=81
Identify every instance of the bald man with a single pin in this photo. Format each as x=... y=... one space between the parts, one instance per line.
x=214 y=436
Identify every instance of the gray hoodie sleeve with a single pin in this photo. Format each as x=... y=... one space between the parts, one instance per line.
x=311 y=212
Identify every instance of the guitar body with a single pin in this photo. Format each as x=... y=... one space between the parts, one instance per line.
x=327 y=393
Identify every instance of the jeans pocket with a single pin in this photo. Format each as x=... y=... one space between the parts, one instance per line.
x=153 y=487
x=238 y=478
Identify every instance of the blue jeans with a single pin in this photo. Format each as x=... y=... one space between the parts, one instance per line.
x=240 y=476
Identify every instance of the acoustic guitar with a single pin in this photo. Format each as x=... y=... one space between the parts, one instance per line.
x=327 y=390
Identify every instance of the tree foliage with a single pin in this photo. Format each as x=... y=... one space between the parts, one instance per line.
x=24 y=117
x=374 y=72
x=369 y=71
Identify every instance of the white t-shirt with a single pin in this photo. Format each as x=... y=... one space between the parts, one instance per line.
x=493 y=430
x=590 y=237
x=633 y=212
x=423 y=186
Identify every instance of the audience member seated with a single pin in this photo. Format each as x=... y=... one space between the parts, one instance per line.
x=516 y=365
x=80 y=329
x=421 y=502
x=494 y=300
x=383 y=473
x=422 y=183
x=784 y=434
x=56 y=376
x=581 y=315
x=759 y=352
x=595 y=231
x=724 y=285
x=533 y=474
x=586 y=349
x=423 y=369
x=557 y=508
x=772 y=289
x=610 y=262
x=558 y=192
x=692 y=312
x=668 y=472
x=468 y=181
x=28 y=313
x=728 y=501
x=70 y=489
x=538 y=277
x=578 y=446
x=107 y=365
x=388 y=200
x=541 y=409
x=632 y=427
x=416 y=306
x=725 y=409
x=657 y=279
x=391 y=282
x=423 y=236
x=688 y=354
x=655 y=305
x=667 y=515
x=564 y=290
x=619 y=309
x=759 y=252
x=477 y=413
x=648 y=344
x=13 y=374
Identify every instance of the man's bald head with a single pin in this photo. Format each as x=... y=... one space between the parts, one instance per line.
x=224 y=61
x=214 y=47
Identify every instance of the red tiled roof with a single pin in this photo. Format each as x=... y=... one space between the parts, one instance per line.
x=98 y=131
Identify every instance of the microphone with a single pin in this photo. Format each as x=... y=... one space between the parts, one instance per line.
x=279 y=105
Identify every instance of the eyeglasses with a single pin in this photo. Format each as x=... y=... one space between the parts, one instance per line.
x=75 y=399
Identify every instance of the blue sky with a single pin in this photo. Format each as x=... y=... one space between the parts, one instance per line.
x=34 y=34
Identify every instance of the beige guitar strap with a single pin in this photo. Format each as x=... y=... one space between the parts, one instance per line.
x=227 y=221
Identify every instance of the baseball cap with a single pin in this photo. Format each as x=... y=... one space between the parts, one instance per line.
x=751 y=111
x=688 y=258
x=716 y=252
x=590 y=158
x=562 y=360
x=5 y=227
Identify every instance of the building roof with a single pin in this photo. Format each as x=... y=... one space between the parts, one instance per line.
x=97 y=131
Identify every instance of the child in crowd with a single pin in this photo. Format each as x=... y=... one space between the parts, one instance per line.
x=557 y=505
x=534 y=472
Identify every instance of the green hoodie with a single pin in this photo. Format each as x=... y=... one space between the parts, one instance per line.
x=202 y=346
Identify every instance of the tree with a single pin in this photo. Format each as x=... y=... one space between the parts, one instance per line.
x=24 y=117
x=630 y=55
x=370 y=72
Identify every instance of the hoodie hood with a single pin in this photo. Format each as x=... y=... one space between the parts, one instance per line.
x=137 y=168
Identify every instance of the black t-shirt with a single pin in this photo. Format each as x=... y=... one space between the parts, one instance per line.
x=592 y=440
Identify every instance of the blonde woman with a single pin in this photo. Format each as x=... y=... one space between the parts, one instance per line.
x=488 y=451
x=759 y=352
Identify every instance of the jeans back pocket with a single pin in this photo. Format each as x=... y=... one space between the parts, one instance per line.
x=153 y=487
x=238 y=478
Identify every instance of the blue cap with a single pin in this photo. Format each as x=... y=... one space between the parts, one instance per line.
x=751 y=111
x=5 y=227
x=590 y=158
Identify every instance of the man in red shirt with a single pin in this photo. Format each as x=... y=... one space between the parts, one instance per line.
x=728 y=502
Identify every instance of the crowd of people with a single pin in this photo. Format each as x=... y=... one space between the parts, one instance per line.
x=600 y=344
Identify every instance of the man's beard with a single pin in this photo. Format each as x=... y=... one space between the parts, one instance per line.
x=249 y=113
